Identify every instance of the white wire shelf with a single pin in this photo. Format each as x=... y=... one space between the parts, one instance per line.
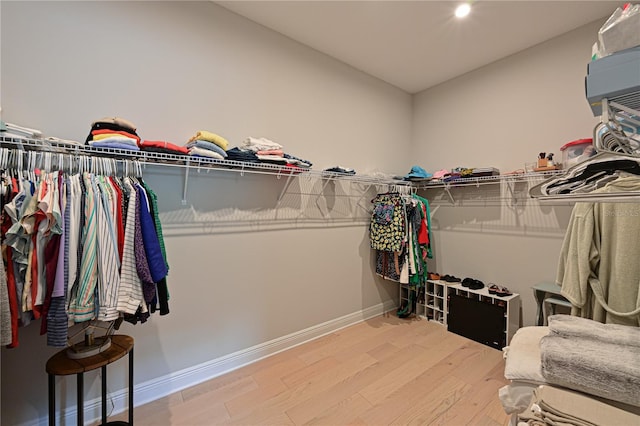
x=488 y=180
x=189 y=162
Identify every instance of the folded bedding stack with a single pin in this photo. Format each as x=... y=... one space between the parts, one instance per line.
x=207 y=145
x=14 y=131
x=268 y=151
x=163 y=147
x=113 y=133
x=553 y=406
x=591 y=357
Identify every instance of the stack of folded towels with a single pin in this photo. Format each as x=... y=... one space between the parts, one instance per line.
x=115 y=133
x=555 y=406
x=207 y=144
x=591 y=357
x=266 y=151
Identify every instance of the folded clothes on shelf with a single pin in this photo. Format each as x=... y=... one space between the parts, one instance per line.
x=339 y=170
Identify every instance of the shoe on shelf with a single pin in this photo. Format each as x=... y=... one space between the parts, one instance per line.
x=493 y=289
x=434 y=276
x=503 y=292
x=450 y=279
x=467 y=282
x=476 y=285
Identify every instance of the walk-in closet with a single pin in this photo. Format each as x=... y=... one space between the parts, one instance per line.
x=265 y=150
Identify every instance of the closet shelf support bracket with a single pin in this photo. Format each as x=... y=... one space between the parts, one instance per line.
x=186 y=183
x=510 y=187
x=447 y=189
x=284 y=190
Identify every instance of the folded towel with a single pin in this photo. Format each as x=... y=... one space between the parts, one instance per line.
x=207 y=145
x=118 y=121
x=106 y=133
x=259 y=144
x=162 y=146
x=238 y=154
x=114 y=145
x=22 y=131
x=121 y=140
x=62 y=141
x=572 y=326
x=592 y=366
x=273 y=159
x=551 y=405
x=277 y=152
x=201 y=152
x=522 y=356
x=205 y=135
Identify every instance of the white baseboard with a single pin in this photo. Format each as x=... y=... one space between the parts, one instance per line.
x=162 y=386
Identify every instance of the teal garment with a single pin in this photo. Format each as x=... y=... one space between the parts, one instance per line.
x=420 y=277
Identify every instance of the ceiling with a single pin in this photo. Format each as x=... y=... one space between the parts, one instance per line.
x=415 y=45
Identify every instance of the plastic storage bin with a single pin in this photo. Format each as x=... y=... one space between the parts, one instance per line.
x=577 y=151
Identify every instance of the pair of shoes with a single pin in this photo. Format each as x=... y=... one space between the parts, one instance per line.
x=450 y=279
x=499 y=291
x=434 y=276
x=472 y=283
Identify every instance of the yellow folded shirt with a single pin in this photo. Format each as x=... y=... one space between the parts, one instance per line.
x=109 y=136
x=204 y=135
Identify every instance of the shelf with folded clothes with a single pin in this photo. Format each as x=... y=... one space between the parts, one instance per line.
x=506 y=188
x=58 y=146
x=460 y=181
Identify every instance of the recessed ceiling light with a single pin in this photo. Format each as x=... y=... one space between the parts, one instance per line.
x=463 y=10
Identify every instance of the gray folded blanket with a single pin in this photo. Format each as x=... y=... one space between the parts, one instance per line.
x=592 y=360
x=571 y=326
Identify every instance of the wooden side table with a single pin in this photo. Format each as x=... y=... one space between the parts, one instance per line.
x=61 y=365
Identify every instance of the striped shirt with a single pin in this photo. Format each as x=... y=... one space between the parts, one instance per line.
x=130 y=294
x=108 y=258
x=82 y=305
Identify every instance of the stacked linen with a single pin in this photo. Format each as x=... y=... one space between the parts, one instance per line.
x=114 y=133
x=15 y=131
x=553 y=406
x=163 y=147
x=268 y=151
x=591 y=357
x=207 y=144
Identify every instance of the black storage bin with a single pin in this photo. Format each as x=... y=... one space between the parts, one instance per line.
x=477 y=320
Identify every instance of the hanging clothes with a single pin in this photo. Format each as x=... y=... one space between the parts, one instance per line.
x=399 y=232
x=78 y=248
x=598 y=268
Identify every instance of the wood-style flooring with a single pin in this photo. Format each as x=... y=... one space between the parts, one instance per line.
x=384 y=371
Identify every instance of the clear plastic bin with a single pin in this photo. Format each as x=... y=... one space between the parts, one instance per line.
x=577 y=151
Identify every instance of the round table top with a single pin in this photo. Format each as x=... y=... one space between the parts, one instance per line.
x=61 y=365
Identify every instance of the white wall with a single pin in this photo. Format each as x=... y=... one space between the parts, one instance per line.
x=503 y=115
x=253 y=270
x=246 y=269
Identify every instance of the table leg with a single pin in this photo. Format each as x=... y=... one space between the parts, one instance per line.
x=104 y=394
x=539 y=295
x=80 y=396
x=131 y=387
x=52 y=400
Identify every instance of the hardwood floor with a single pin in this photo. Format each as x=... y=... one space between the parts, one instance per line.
x=384 y=371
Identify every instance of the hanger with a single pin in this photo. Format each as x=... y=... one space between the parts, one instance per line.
x=587 y=173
